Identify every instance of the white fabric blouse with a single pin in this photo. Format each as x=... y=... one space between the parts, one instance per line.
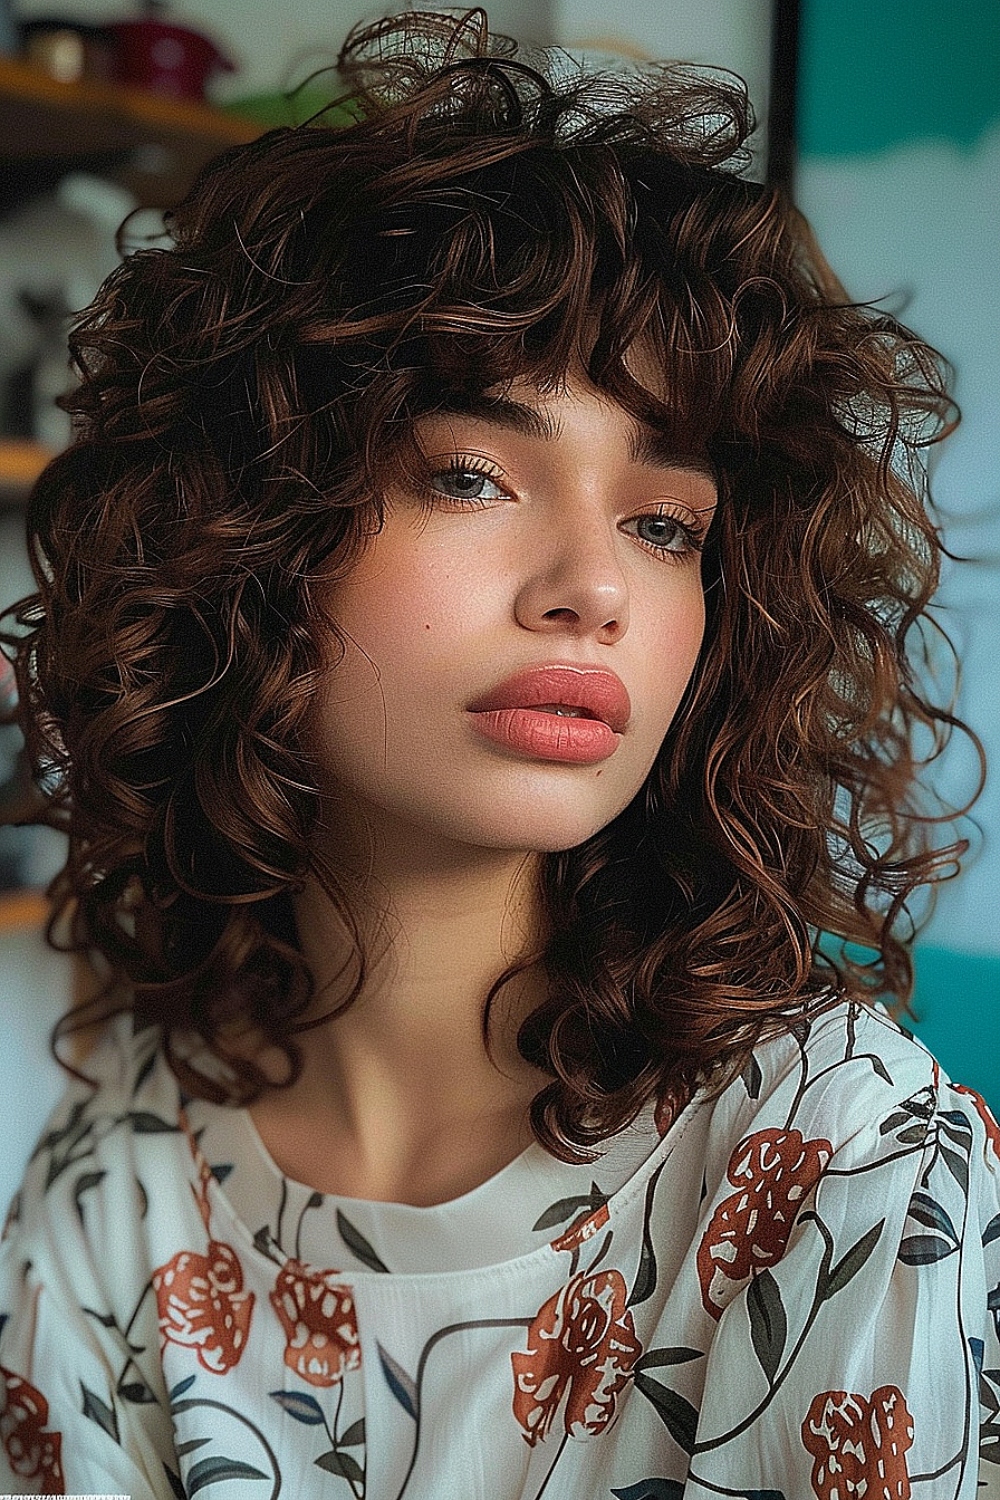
x=793 y=1291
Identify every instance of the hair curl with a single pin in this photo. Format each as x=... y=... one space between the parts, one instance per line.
x=246 y=396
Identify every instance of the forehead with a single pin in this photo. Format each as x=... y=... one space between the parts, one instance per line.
x=671 y=409
x=523 y=407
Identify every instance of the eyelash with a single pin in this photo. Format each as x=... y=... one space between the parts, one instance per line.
x=467 y=464
x=694 y=540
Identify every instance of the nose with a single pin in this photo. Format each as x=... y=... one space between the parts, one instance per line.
x=575 y=586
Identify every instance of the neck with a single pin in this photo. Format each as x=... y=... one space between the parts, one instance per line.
x=437 y=932
x=405 y=1067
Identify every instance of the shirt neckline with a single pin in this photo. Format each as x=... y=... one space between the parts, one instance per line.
x=521 y=1209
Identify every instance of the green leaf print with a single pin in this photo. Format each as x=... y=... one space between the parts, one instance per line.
x=145 y=1123
x=83 y=1184
x=752 y=1077
x=768 y=1324
x=678 y=1415
x=343 y=1464
x=137 y=1392
x=214 y=1470
x=300 y=1405
x=850 y=1264
x=931 y=1215
x=924 y=1249
x=176 y=1487
x=654 y=1359
x=358 y=1245
x=645 y=1276
x=561 y=1210
x=400 y=1384
x=98 y=1411
x=652 y=1489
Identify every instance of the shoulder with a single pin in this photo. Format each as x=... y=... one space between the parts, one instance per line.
x=843 y=1275
x=84 y=1189
x=832 y=1076
x=103 y=1192
x=849 y=1096
x=845 y=1140
x=851 y=1114
x=846 y=1037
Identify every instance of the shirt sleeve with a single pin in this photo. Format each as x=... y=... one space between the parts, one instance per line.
x=82 y=1409
x=861 y=1354
x=61 y=1429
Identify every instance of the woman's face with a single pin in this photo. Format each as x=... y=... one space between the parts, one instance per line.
x=520 y=632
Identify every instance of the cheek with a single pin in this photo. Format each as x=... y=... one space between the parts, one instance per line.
x=669 y=655
x=410 y=624
x=677 y=637
x=401 y=587
x=416 y=603
x=386 y=611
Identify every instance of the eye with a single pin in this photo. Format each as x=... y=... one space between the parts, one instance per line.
x=664 y=533
x=467 y=479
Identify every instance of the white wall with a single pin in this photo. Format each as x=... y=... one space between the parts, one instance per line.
x=734 y=34
x=920 y=225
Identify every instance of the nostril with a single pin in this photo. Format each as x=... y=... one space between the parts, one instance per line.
x=567 y=616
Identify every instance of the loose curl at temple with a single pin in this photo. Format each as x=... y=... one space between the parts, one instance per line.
x=247 y=398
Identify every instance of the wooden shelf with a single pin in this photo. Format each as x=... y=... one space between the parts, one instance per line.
x=155 y=146
x=23 y=908
x=21 y=462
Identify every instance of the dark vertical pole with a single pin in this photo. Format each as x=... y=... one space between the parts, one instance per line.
x=784 y=94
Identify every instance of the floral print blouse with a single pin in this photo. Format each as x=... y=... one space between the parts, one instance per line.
x=788 y=1290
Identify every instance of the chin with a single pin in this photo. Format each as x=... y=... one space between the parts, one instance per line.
x=544 y=831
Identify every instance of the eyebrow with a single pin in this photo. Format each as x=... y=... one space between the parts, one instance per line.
x=646 y=445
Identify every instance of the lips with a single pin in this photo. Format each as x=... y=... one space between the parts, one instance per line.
x=556 y=712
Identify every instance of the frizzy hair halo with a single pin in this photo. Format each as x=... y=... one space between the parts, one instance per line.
x=248 y=394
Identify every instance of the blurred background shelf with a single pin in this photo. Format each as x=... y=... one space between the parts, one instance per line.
x=153 y=145
x=22 y=909
x=21 y=462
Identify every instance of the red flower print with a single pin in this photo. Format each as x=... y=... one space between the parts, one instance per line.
x=202 y=1305
x=583 y=1229
x=31 y=1452
x=859 y=1446
x=774 y=1171
x=983 y=1111
x=582 y=1339
x=321 y=1326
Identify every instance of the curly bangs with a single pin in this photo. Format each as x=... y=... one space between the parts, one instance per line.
x=249 y=394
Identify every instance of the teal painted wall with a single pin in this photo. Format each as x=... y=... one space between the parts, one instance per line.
x=957 y=1004
x=875 y=75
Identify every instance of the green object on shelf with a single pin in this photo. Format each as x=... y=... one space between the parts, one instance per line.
x=312 y=102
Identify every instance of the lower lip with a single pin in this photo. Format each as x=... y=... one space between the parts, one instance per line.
x=578 y=742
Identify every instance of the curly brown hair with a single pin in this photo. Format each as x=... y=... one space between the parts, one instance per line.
x=247 y=396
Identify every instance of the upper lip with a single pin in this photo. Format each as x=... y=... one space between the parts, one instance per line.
x=600 y=693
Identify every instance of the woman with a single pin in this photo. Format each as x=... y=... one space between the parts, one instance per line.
x=472 y=660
